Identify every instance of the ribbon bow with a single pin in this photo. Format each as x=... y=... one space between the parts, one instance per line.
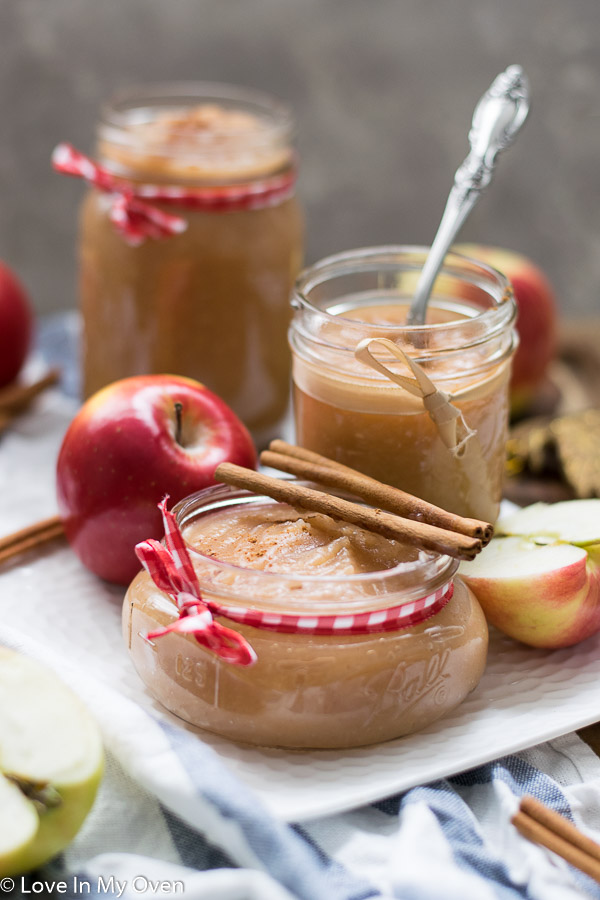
x=133 y=218
x=171 y=570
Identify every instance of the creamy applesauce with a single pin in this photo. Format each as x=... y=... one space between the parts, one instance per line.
x=206 y=141
x=277 y=538
x=348 y=412
x=307 y=690
x=210 y=303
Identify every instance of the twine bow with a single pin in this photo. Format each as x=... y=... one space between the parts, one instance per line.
x=469 y=466
x=449 y=421
x=171 y=570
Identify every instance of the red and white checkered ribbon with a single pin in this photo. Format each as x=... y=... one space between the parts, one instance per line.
x=171 y=569
x=137 y=219
x=392 y=619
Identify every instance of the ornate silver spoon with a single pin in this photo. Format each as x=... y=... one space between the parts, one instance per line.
x=496 y=120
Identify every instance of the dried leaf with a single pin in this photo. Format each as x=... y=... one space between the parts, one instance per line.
x=577 y=440
x=529 y=448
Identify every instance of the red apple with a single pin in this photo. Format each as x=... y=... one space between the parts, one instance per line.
x=536 y=322
x=16 y=325
x=539 y=580
x=130 y=444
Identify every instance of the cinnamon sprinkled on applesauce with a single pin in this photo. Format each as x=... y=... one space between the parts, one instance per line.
x=278 y=538
x=209 y=119
x=207 y=141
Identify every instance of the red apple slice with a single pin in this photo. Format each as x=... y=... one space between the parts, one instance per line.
x=540 y=583
x=574 y=521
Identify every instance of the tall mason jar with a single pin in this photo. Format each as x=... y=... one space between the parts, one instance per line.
x=370 y=410
x=211 y=302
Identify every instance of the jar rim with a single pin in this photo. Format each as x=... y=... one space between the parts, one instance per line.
x=116 y=112
x=365 y=259
x=427 y=572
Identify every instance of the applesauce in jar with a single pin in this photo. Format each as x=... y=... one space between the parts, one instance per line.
x=210 y=302
x=360 y=639
x=350 y=412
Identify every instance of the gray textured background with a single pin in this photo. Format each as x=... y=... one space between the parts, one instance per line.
x=383 y=93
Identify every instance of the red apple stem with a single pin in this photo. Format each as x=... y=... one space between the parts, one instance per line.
x=178 y=420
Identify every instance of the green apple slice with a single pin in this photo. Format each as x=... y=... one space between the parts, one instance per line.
x=19 y=820
x=51 y=762
x=573 y=521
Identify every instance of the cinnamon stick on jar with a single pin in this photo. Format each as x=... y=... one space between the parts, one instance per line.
x=306 y=464
x=417 y=534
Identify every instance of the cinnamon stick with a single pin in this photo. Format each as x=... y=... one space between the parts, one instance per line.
x=15 y=397
x=544 y=826
x=418 y=534
x=308 y=464
x=29 y=538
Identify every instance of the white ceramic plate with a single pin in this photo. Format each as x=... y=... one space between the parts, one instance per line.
x=525 y=697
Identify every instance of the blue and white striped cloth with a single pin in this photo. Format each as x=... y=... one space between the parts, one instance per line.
x=171 y=818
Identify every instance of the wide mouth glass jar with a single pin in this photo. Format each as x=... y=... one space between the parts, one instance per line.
x=356 y=414
x=211 y=299
x=314 y=684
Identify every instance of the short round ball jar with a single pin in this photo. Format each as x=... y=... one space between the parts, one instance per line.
x=308 y=690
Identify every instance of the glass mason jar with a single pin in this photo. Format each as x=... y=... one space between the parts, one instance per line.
x=358 y=415
x=212 y=302
x=308 y=690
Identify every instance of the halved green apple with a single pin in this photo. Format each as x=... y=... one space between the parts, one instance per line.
x=538 y=580
x=51 y=763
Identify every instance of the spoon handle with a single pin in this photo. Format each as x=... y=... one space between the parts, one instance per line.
x=496 y=120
